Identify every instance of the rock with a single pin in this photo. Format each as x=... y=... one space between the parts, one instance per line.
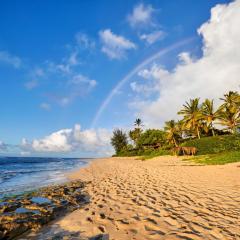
x=31 y=211
x=102 y=229
x=100 y=237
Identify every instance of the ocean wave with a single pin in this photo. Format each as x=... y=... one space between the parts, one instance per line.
x=24 y=174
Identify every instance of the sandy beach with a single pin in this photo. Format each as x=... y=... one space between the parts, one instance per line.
x=161 y=198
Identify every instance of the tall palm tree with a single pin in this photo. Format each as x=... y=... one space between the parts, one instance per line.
x=138 y=123
x=192 y=115
x=231 y=100
x=171 y=127
x=209 y=114
x=230 y=119
x=135 y=135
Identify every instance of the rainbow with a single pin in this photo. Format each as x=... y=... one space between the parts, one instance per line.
x=135 y=70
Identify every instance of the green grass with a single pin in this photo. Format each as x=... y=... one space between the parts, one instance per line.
x=216 y=144
x=216 y=159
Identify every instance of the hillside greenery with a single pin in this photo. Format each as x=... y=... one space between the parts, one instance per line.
x=212 y=130
x=216 y=159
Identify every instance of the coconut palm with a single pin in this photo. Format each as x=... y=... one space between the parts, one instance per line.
x=192 y=116
x=229 y=118
x=231 y=101
x=209 y=114
x=135 y=134
x=171 y=127
x=138 y=123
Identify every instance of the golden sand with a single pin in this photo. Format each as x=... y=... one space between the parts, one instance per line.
x=161 y=198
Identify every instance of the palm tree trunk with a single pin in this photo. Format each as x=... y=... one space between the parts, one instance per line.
x=213 y=132
x=175 y=142
x=198 y=133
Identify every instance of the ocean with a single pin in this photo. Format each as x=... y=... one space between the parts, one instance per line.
x=21 y=174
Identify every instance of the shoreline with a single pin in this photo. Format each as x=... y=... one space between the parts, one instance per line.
x=60 y=178
x=30 y=211
x=161 y=198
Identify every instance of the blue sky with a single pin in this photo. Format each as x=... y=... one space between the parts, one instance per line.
x=60 y=60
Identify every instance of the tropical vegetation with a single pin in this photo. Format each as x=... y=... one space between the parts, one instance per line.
x=211 y=129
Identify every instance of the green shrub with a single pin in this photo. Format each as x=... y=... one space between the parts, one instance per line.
x=140 y=152
x=215 y=144
x=155 y=153
x=152 y=137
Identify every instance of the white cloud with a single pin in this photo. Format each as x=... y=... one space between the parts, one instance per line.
x=153 y=37
x=210 y=76
x=84 y=41
x=185 y=58
x=56 y=142
x=67 y=64
x=115 y=46
x=23 y=153
x=78 y=86
x=142 y=15
x=96 y=141
x=81 y=79
x=3 y=146
x=7 y=58
x=35 y=74
x=45 y=106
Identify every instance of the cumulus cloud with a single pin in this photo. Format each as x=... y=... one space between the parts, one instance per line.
x=153 y=37
x=96 y=141
x=142 y=15
x=209 y=76
x=7 y=58
x=115 y=46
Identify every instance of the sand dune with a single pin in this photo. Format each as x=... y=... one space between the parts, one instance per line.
x=162 y=198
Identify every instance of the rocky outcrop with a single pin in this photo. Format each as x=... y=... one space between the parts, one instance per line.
x=31 y=211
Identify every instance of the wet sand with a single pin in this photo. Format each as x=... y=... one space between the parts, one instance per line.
x=161 y=198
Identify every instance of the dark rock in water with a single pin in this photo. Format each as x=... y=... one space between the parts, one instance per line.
x=25 y=210
x=31 y=211
x=9 y=206
x=100 y=237
x=40 y=200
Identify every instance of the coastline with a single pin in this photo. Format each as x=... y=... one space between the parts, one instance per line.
x=19 y=175
x=29 y=210
x=161 y=198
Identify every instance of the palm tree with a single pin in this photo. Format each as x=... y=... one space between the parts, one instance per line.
x=192 y=115
x=138 y=123
x=182 y=131
x=135 y=135
x=231 y=101
x=209 y=114
x=229 y=118
x=171 y=127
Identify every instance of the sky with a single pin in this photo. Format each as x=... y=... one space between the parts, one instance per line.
x=72 y=71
